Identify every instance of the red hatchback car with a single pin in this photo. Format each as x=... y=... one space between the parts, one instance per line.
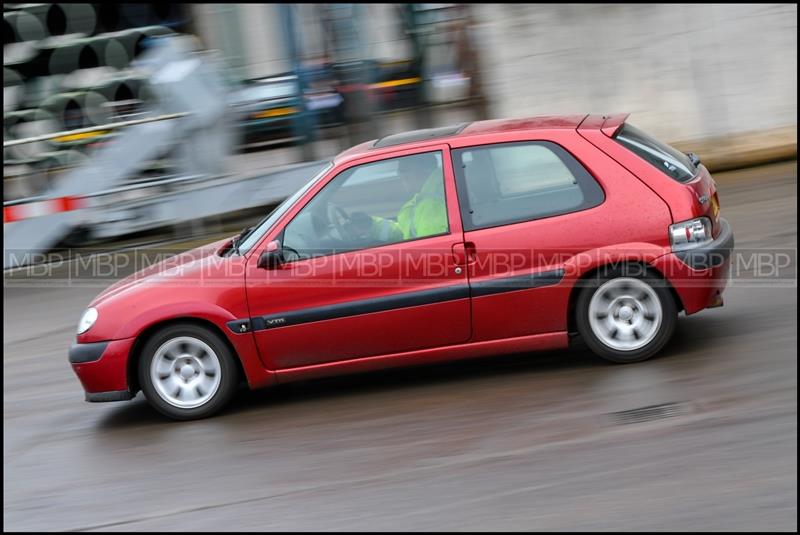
x=479 y=239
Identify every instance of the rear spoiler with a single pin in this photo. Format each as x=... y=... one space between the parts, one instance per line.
x=608 y=124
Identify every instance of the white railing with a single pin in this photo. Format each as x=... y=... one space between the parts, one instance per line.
x=95 y=128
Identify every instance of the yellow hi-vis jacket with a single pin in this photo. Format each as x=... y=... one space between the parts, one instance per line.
x=425 y=214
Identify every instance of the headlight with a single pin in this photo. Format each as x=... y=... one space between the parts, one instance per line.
x=87 y=320
x=690 y=234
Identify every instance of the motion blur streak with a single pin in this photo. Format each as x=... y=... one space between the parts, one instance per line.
x=703 y=437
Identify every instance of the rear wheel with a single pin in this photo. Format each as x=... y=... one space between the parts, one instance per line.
x=187 y=372
x=626 y=317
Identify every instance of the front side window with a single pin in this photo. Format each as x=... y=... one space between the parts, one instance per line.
x=513 y=182
x=262 y=227
x=370 y=205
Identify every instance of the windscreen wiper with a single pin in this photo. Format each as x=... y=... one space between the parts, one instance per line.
x=238 y=239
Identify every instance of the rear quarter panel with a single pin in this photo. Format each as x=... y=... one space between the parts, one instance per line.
x=683 y=200
x=630 y=224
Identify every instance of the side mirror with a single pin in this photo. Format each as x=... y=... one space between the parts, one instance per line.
x=272 y=257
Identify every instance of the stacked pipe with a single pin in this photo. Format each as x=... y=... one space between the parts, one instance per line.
x=65 y=19
x=66 y=66
x=64 y=55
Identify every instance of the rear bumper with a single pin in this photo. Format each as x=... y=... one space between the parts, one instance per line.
x=102 y=369
x=714 y=254
x=700 y=276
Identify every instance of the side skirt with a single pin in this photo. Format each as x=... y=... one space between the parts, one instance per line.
x=536 y=342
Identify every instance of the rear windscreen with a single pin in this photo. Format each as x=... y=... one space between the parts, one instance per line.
x=672 y=162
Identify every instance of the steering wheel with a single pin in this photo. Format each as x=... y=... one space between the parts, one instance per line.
x=338 y=219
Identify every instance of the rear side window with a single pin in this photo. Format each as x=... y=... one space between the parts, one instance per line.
x=513 y=182
x=669 y=160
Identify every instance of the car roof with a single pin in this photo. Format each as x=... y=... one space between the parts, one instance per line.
x=419 y=135
x=419 y=138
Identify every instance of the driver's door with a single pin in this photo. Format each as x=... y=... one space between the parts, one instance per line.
x=345 y=292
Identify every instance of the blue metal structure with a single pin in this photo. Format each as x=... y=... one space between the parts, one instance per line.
x=302 y=121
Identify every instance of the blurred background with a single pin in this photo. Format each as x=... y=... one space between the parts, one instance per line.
x=132 y=129
x=116 y=116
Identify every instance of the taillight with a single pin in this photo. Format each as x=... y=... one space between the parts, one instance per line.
x=690 y=234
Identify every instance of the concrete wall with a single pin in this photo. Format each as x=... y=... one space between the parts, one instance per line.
x=683 y=71
x=263 y=39
x=250 y=36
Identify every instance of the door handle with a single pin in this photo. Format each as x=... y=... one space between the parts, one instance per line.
x=459 y=254
x=472 y=252
x=464 y=253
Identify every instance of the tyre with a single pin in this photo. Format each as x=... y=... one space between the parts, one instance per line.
x=187 y=372
x=626 y=315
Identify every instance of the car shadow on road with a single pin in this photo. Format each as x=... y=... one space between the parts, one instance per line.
x=129 y=414
x=138 y=412
x=687 y=339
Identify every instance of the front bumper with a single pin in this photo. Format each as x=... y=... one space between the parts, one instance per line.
x=699 y=276
x=102 y=369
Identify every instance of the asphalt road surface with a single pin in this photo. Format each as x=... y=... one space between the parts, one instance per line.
x=523 y=442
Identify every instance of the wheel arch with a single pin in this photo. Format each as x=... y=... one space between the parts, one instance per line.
x=641 y=266
x=136 y=350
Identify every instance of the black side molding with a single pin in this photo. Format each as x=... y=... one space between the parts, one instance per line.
x=79 y=353
x=713 y=254
x=520 y=282
x=354 y=308
x=393 y=302
x=239 y=326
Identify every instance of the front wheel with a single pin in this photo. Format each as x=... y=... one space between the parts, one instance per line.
x=187 y=372
x=626 y=318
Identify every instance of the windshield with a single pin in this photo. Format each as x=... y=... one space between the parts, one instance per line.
x=668 y=159
x=265 y=224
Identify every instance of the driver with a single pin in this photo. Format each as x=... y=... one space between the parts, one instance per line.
x=424 y=214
